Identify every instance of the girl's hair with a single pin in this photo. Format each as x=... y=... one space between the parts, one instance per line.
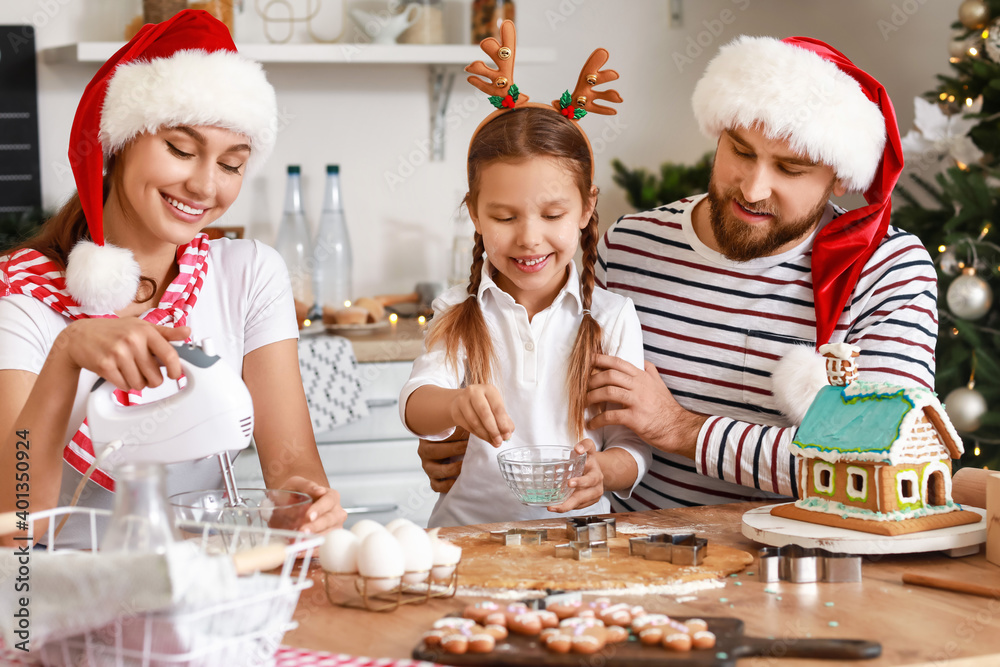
x=68 y=226
x=517 y=135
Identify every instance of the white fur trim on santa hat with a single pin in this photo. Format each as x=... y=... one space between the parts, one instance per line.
x=796 y=95
x=796 y=380
x=102 y=279
x=193 y=87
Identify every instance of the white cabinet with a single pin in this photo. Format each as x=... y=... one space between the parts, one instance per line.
x=372 y=462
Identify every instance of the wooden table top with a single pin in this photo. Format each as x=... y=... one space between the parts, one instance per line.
x=915 y=625
x=399 y=341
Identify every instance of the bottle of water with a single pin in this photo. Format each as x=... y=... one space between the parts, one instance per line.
x=293 y=239
x=462 y=244
x=332 y=251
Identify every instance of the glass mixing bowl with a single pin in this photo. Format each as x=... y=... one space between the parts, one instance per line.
x=265 y=508
x=539 y=474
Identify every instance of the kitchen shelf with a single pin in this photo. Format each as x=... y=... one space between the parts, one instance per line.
x=348 y=54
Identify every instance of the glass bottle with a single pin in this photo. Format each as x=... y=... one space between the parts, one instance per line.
x=333 y=264
x=488 y=16
x=293 y=239
x=462 y=244
x=141 y=521
x=428 y=28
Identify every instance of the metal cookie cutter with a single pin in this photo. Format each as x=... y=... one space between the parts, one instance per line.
x=800 y=565
x=583 y=550
x=676 y=548
x=519 y=536
x=590 y=528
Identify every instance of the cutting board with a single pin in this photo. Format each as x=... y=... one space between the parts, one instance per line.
x=487 y=564
x=731 y=645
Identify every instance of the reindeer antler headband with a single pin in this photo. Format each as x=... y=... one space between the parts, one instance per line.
x=505 y=95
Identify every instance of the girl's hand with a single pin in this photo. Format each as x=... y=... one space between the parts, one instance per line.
x=589 y=487
x=127 y=352
x=322 y=516
x=479 y=409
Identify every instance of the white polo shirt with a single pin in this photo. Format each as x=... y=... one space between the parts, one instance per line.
x=533 y=361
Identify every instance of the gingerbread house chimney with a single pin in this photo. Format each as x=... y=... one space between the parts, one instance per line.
x=841 y=369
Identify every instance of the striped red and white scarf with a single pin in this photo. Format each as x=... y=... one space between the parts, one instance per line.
x=31 y=273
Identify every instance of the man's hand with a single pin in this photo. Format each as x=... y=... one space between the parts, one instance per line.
x=644 y=405
x=442 y=461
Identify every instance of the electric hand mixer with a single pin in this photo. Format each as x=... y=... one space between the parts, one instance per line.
x=210 y=416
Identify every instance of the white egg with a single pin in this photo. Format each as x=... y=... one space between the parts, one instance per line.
x=366 y=526
x=339 y=552
x=418 y=555
x=380 y=558
x=445 y=556
x=396 y=524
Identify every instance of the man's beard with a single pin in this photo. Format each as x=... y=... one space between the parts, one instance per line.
x=741 y=241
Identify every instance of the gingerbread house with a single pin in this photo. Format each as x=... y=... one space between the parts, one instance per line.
x=874 y=457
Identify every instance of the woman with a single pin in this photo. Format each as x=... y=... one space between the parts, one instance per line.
x=180 y=116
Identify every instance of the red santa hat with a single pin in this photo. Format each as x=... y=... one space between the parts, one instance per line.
x=808 y=93
x=184 y=71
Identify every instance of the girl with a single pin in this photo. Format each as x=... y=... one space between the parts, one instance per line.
x=175 y=163
x=508 y=356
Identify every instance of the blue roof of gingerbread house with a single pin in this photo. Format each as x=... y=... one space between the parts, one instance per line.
x=863 y=422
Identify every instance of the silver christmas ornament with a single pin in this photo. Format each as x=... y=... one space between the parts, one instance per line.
x=957 y=48
x=949 y=262
x=992 y=42
x=969 y=296
x=965 y=407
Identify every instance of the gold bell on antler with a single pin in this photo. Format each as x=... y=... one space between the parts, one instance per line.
x=501 y=81
x=592 y=79
x=504 y=53
x=581 y=101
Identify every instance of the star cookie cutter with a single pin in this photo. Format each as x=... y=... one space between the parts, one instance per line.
x=590 y=528
x=519 y=536
x=583 y=550
x=676 y=548
x=801 y=565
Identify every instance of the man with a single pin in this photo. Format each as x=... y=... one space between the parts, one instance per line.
x=727 y=283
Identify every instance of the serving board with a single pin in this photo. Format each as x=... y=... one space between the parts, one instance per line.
x=762 y=526
x=488 y=564
x=731 y=645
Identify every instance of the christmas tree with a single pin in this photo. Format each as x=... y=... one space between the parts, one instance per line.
x=950 y=198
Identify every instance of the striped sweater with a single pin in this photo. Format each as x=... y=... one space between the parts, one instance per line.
x=715 y=328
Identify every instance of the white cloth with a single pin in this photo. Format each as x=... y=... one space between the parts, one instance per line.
x=245 y=303
x=534 y=359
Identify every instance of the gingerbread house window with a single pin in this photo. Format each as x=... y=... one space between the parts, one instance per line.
x=907 y=486
x=857 y=483
x=823 y=478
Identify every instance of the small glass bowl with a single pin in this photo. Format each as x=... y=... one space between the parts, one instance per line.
x=265 y=508
x=539 y=475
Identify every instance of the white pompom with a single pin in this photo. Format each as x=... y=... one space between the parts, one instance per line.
x=102 y=279
x=795 y=381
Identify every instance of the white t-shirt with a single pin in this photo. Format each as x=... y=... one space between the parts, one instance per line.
x=534 y=362
x=245 y=303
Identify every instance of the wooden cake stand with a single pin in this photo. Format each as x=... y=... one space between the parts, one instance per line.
x=762 y=526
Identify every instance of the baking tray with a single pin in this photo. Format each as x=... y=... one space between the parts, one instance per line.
x=731 y=645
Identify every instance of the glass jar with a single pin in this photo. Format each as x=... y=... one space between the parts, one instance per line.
x=488 y=16
x=158 y=11
x=429 y=25
x=220 y=9
x=141 y=521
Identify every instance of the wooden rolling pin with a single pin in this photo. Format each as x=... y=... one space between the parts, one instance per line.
x=968 y=486
x=951 y=585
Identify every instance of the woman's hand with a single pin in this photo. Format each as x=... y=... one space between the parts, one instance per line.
x=479 y=409
x=323 y=515
x=127 y=352
x=589 y=487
